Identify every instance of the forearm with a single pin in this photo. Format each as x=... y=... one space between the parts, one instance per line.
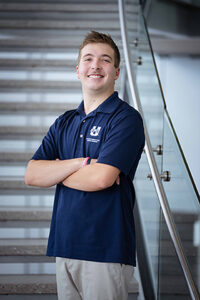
x=46 y=173
x=92 y=178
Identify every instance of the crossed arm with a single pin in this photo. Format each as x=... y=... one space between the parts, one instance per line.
x=93 y=177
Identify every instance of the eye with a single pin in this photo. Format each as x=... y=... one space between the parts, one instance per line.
x=106 y=60
x=87 y=59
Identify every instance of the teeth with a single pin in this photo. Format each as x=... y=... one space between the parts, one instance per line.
x=95 y=76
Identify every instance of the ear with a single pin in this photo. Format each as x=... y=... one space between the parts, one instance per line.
x=117 y=73
x=77 y=72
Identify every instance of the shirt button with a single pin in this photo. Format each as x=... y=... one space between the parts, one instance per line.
x=83 y=121
x=81 y=135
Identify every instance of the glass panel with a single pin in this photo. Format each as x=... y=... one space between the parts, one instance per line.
x=147 y=83
x=180 y=192
x=183 y=200
x=153 y=108
x=172 y=282
x=149 y=210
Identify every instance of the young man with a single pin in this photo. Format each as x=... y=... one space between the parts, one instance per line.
x=91 y=154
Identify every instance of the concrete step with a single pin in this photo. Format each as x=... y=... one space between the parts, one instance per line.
x=37 y=64
x=167 y=249
x=33 y=43
x=25 y=217
x=8 y=259
x=185 y=231
x=42 y=86
x=35 y=107
x=57 y=34
x=171 y=265
x=20 y=247
x=15 y=157
x=22 y=132
x=25 y=213
x=173 y=285
x=87 y=6
x=182 y=218
x=60 y=24
x=27 y=284
x=15 y=185
x=36 y=284
x=62 y=15
x=37 y=297
x=39 y=86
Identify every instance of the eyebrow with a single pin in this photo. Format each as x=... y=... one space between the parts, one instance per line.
x=103 y=55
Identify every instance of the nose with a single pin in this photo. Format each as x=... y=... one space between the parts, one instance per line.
x=95 y=64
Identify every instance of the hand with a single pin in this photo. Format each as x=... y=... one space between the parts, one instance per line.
x=93 y=161
x=118 y=180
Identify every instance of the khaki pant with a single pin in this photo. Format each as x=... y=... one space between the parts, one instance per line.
x=87 y=280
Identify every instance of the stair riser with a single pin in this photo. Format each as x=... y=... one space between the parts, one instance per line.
x=29 y=297
x=25 y=224
x=26 y=259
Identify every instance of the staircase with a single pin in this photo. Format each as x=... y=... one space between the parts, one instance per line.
x=39 y=43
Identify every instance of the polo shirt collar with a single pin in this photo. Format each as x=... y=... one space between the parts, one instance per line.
x=107 y=106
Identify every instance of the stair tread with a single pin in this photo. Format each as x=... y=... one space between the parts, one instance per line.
x=23 y=247
x=25 y=213
x=28 y=278
x=36 y=106
x=44 y=85
x=12 y=157
x=58 y=24
x=60 y=43
x=39 y=84
x=59 y=7
x=33 y=63
x=34 y=283
x=23 y=129
x=28 y=284
x=23 y=242
x=17 y=183
x=167 y=248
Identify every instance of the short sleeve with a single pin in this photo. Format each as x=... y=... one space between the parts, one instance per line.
x=124 y=143
x=48 y=149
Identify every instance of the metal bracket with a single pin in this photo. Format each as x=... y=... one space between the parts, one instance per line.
x=165 y=176
x=135 y=42
x=158 y=150
x=138 y=60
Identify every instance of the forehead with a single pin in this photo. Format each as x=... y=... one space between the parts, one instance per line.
x=97 y=49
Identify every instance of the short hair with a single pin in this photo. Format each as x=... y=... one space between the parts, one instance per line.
x=97 y=37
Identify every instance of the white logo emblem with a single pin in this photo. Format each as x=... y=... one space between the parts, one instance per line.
x=95 y=131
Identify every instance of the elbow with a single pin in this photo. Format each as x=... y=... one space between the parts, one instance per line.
x=105 y=182
x=28 y=178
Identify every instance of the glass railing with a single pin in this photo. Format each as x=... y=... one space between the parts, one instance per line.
x=175 y=270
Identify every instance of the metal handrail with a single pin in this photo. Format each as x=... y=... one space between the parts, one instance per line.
x=151 y=160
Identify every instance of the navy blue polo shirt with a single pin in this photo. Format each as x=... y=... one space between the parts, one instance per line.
x=95 y=226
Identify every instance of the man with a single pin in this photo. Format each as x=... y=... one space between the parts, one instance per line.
x=91 y=154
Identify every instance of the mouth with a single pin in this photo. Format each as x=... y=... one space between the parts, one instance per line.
x=95 y=76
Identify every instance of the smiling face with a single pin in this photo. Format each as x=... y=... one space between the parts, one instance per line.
x=96 y=69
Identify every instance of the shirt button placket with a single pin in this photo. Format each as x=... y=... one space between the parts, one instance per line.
x=81 y=135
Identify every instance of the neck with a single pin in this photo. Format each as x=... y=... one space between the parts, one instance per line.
x=92 y=101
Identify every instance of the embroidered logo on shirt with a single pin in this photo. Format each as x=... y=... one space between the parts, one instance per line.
x=95 y=131
x=92 y=140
